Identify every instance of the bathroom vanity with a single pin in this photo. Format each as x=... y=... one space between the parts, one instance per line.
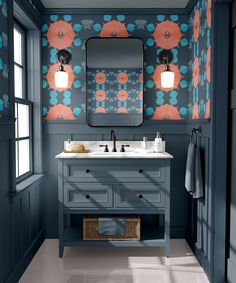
x=114 y=183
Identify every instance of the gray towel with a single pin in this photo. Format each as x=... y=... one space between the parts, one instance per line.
x=193 y=175
x=190 y=166
x=198 y=184
x=111 y=226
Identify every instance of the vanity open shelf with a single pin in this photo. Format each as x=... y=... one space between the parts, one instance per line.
x=73 y=236
x=121 y=186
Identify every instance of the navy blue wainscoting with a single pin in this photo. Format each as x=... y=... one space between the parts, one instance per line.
x=22 y=224
x=55 y=132
x=200 y=213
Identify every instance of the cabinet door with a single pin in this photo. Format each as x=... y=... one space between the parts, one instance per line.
x=89 y=195
x=136 y=195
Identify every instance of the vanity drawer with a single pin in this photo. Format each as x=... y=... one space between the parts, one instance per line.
x=145 y=170
x=88 y=195
x=136 y=195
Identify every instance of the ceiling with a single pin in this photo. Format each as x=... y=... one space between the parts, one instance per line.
x=126 y=4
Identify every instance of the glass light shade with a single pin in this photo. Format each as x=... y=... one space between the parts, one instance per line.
x=61 y=79
x=167 y=79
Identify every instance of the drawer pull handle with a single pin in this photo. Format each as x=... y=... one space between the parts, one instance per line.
x=87 y=196
x=140 y=171
x=87 y=171
x=140 y=196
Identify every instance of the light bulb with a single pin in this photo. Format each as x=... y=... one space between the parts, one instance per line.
x=167 y=78
x=61 y=79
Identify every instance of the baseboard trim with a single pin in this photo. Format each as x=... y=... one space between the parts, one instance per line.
x=24 y=262
x=204 y=262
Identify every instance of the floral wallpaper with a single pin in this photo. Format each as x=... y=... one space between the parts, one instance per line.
x=200 y=61
x=157 y=31
x=114 y=90
x=4 y=98
x=188 y=38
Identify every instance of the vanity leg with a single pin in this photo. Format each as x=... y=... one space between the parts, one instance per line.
x=61 y=249
x=167 y=210
x=60 y=209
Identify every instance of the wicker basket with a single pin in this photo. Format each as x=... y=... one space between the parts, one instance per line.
x=90 y=230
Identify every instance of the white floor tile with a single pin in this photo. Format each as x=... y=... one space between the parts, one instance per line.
x=114 y=265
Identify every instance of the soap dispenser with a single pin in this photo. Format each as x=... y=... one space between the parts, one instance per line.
x=158 y=143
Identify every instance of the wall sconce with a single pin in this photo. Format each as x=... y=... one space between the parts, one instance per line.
x=167 y=76
x=61 y=76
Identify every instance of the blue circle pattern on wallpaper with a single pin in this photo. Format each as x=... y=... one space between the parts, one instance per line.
x=72 y=31
x=4 y=98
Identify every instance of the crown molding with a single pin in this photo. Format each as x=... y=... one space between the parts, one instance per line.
x=113 y=11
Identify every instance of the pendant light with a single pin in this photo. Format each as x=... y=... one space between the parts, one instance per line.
x=167 y=76
x=61 y=76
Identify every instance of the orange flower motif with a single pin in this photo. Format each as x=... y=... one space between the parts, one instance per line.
x=166 y=112
x=196 y=26
x=141 y=110
x=122 y=78
x=114 y=29
x=60 y=112
x=167 y=35
x=100 y=110
x=60 y=34
x=141 y=78
x=208 y=13
x=195 y=114
x=208 y=64
x=100 y=95
x=51 y=76
x=122 y=95
x=140 y=95
x=122 y=110
x=100 y=78
x=157 y=76
x=208 y=109
x=196 y=71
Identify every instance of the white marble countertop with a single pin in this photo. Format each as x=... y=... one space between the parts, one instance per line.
x=133 y=151
x=111 y=155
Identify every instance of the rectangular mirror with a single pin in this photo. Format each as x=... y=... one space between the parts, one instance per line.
x=114 y=79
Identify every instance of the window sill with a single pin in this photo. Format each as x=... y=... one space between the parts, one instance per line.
x=23 y=185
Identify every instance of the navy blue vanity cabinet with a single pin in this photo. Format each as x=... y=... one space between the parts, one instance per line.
x=105 y=186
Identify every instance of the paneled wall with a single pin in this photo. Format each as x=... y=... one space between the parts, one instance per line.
x=231 y=261
x=200 y=236
x=22 y=222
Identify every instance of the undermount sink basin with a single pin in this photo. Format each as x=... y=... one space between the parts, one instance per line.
x=110 y=153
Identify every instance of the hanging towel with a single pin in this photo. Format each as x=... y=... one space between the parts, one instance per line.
x=193 y=174
x=111 y=226
x=190 y=167
x=198 y=183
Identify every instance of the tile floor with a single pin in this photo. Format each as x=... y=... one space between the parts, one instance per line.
x=114 y=265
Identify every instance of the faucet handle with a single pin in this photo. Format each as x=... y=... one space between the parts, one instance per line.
x=123 y=147
x=106 y=147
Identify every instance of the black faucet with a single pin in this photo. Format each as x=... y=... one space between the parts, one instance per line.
x=113 y=138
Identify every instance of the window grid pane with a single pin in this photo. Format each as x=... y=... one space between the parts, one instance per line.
x=24 y=156
x=18 y=46
x=23 y=120
x=17 y=160
x=18 y=81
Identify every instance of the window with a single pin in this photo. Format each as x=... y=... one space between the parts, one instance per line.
x=23 y=107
